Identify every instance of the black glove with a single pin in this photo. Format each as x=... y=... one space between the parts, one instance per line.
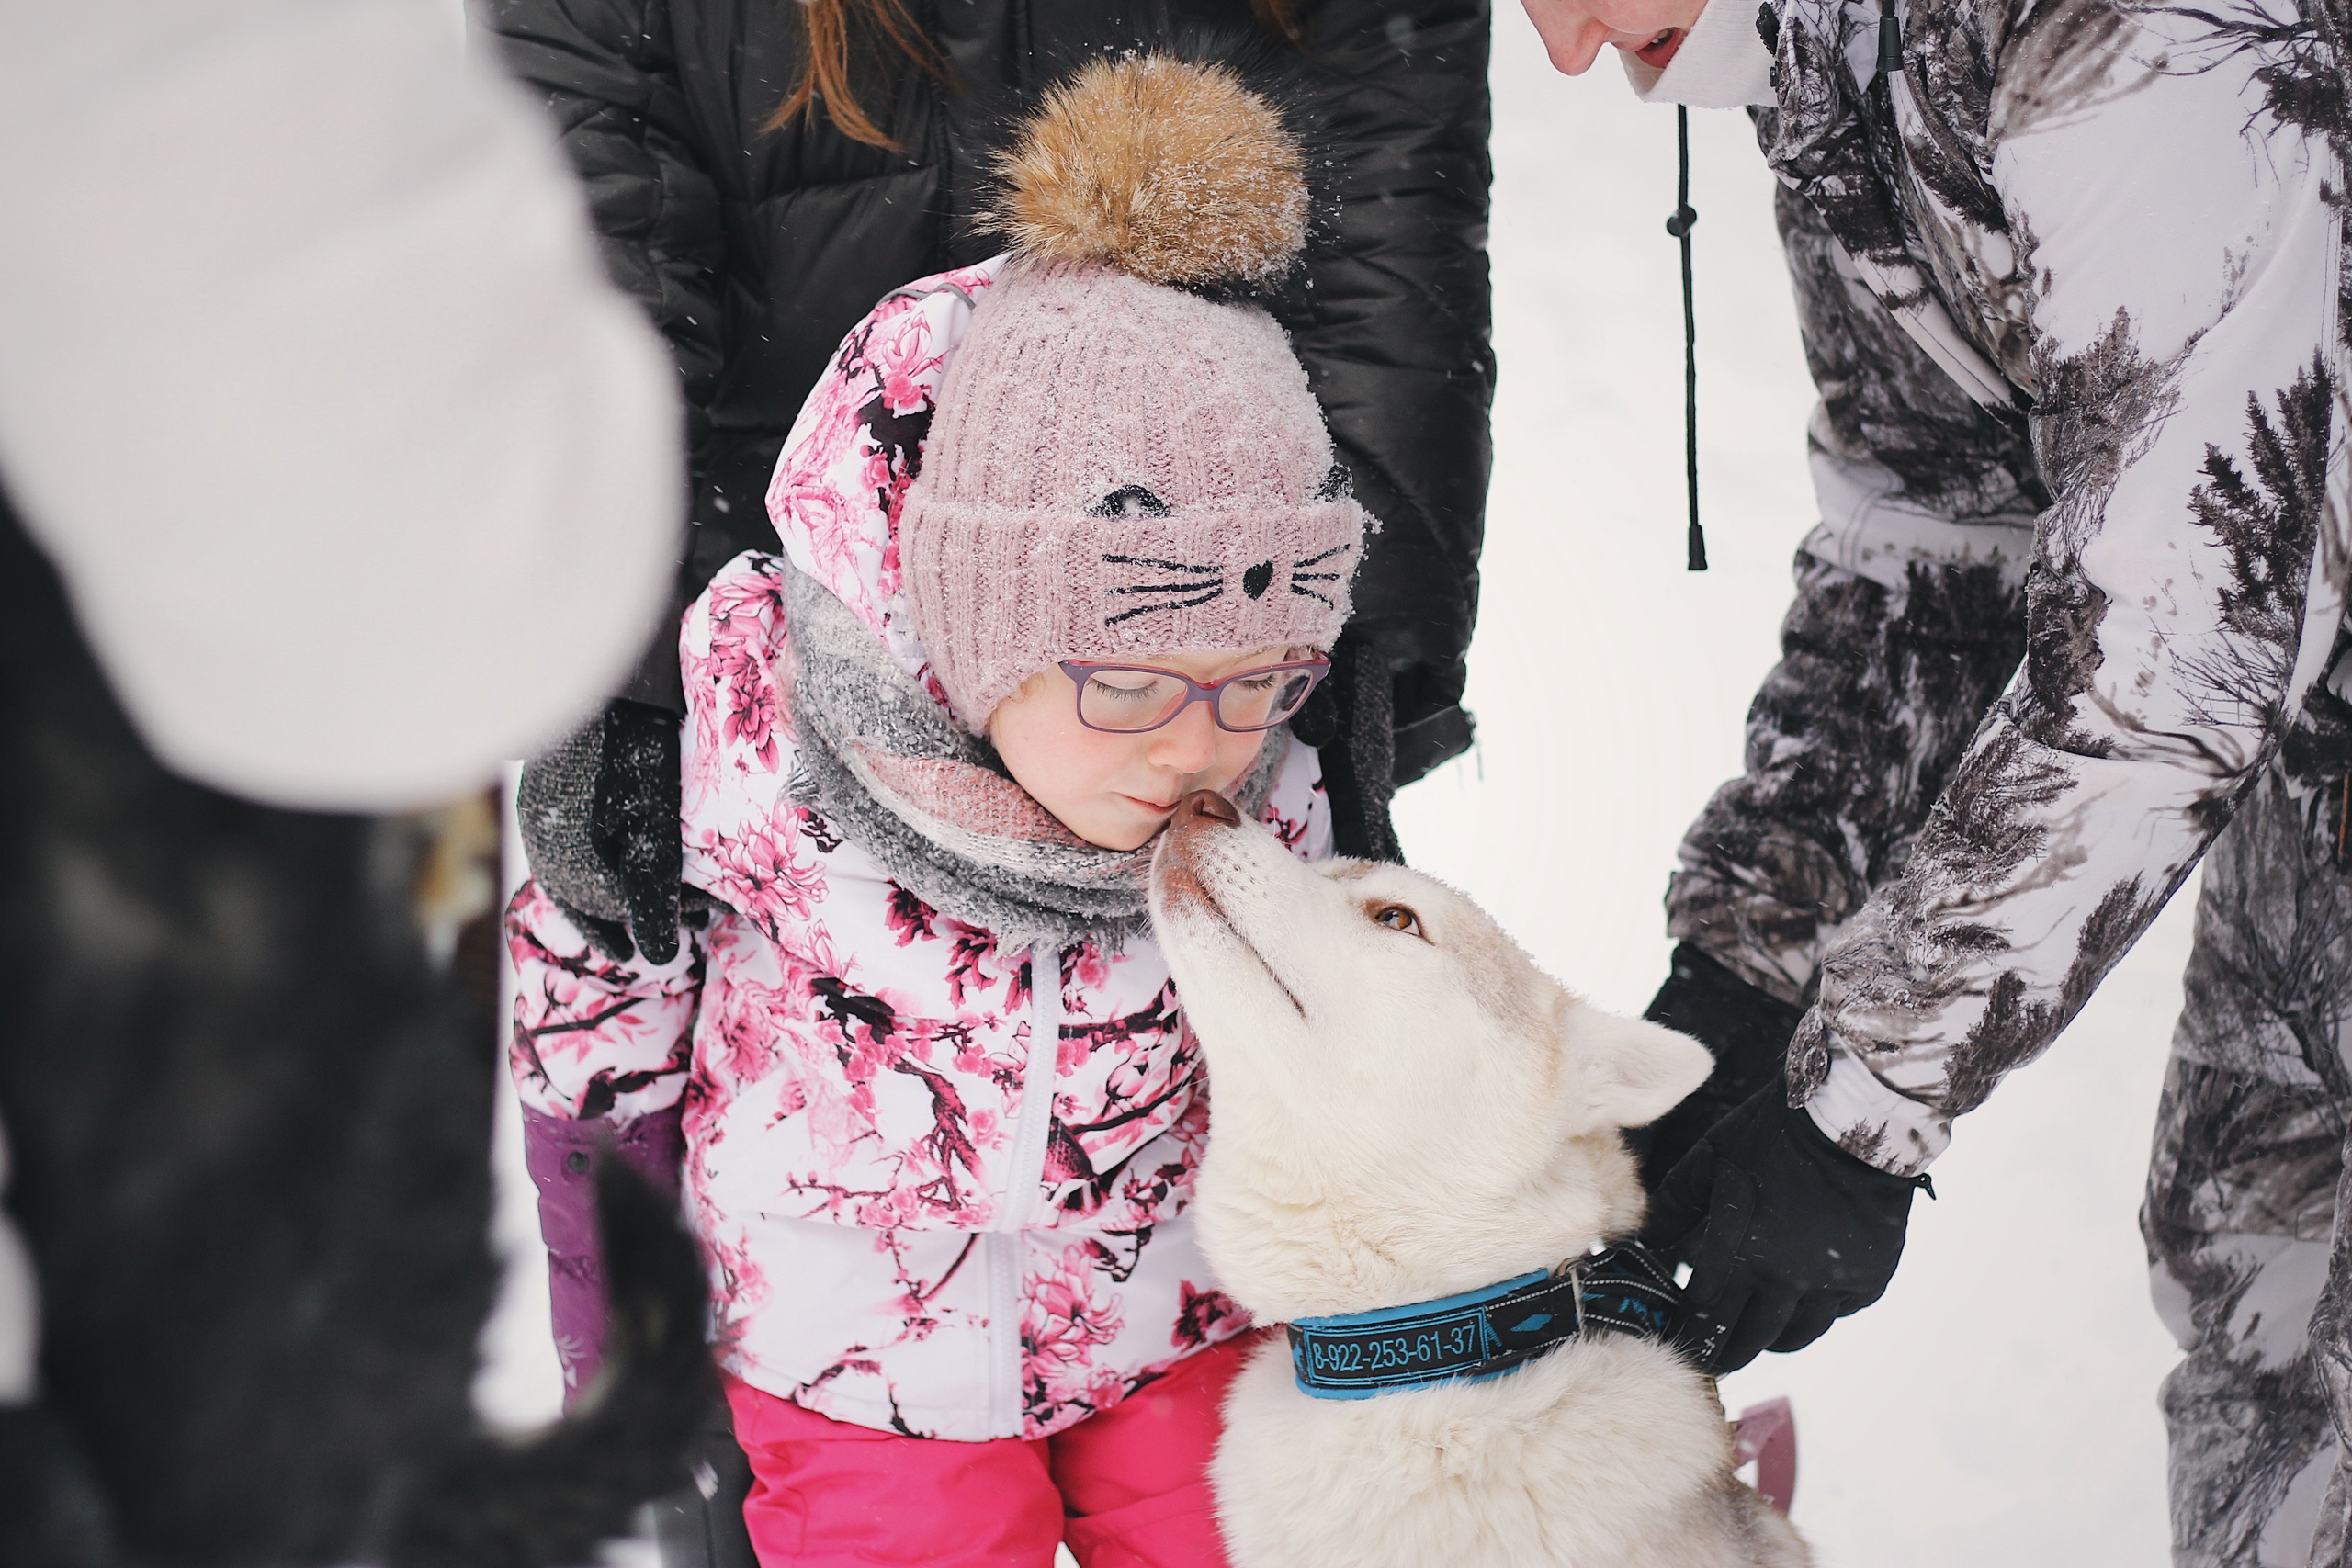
x=633 y=824
x=1747 y=1031
x=600 y=826
x=1785 y=1232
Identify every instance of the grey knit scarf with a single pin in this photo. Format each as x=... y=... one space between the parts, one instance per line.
x=884 y=763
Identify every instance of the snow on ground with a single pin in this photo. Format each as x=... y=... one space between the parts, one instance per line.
x=1999 y=1404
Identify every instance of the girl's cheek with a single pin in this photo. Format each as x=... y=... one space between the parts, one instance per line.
x=1067 y=753
x=1108 y=758
x=1242 y=757
x=1092 y=763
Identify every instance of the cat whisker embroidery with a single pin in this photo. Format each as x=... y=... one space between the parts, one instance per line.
x=1184 y=584
x=1300 y=576
x=1193 y=585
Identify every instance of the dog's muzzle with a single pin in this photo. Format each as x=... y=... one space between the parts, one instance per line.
x=1208 y=805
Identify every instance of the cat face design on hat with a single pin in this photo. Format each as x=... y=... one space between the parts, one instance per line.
x=1122 y=465
x=1172 y=586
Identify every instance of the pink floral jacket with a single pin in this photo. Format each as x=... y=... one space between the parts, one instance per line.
x=941 y=1186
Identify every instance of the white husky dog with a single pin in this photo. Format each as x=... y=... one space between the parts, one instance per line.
x=1405 y=1108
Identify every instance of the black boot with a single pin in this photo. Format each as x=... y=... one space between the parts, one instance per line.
x=701 y=1526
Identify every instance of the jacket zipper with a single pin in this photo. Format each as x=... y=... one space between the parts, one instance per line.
x=1024 y=1178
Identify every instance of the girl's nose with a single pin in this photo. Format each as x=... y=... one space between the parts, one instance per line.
x=1188 y=745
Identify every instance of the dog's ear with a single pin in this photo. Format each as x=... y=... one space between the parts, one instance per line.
x=1636 y=1071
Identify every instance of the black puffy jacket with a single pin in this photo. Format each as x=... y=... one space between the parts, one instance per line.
x=757 y=250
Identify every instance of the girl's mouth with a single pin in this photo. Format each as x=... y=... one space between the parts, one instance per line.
x=1659 y=52
x=1150 y=805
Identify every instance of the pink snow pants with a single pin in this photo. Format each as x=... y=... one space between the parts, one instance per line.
x=1125 y=1489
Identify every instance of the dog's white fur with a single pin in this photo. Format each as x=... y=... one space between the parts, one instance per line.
x=1402 y=1114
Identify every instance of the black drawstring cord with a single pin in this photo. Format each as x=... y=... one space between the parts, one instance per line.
x=1889 y=43
x=1680 y=225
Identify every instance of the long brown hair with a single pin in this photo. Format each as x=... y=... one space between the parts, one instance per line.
x=837 y=28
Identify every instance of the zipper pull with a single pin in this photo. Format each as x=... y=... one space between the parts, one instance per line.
x=1890 y=43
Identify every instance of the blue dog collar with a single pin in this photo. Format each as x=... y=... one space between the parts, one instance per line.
x=1483 y=1333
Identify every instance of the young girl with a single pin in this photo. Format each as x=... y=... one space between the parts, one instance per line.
x=1063 y=540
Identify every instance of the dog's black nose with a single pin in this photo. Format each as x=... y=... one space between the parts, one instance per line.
x=1209 y=803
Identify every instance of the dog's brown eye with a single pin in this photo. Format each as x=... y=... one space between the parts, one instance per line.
x=1398 y=918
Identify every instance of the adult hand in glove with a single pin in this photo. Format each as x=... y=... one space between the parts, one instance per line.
x=1745 y=1030
x=1785 y=1232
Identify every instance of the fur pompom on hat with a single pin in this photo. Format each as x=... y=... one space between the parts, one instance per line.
x=1126 y=458
x=1170 y=172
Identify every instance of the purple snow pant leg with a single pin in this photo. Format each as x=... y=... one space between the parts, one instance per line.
x=561 y=1153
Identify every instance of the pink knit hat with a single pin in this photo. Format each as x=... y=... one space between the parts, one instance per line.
x=1120 y=466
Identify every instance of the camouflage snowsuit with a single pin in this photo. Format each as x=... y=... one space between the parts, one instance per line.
x=2242 y=1188
x=2072 y=287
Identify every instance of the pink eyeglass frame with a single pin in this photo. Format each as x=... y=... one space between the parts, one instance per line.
x=1079 y=671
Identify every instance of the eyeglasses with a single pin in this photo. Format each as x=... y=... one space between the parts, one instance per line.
x=1128 y=699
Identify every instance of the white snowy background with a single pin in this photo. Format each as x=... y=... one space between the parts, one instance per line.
x=1998 y=1406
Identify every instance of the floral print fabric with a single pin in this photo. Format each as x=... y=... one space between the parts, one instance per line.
x=941 y=1186
x=858 y=443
